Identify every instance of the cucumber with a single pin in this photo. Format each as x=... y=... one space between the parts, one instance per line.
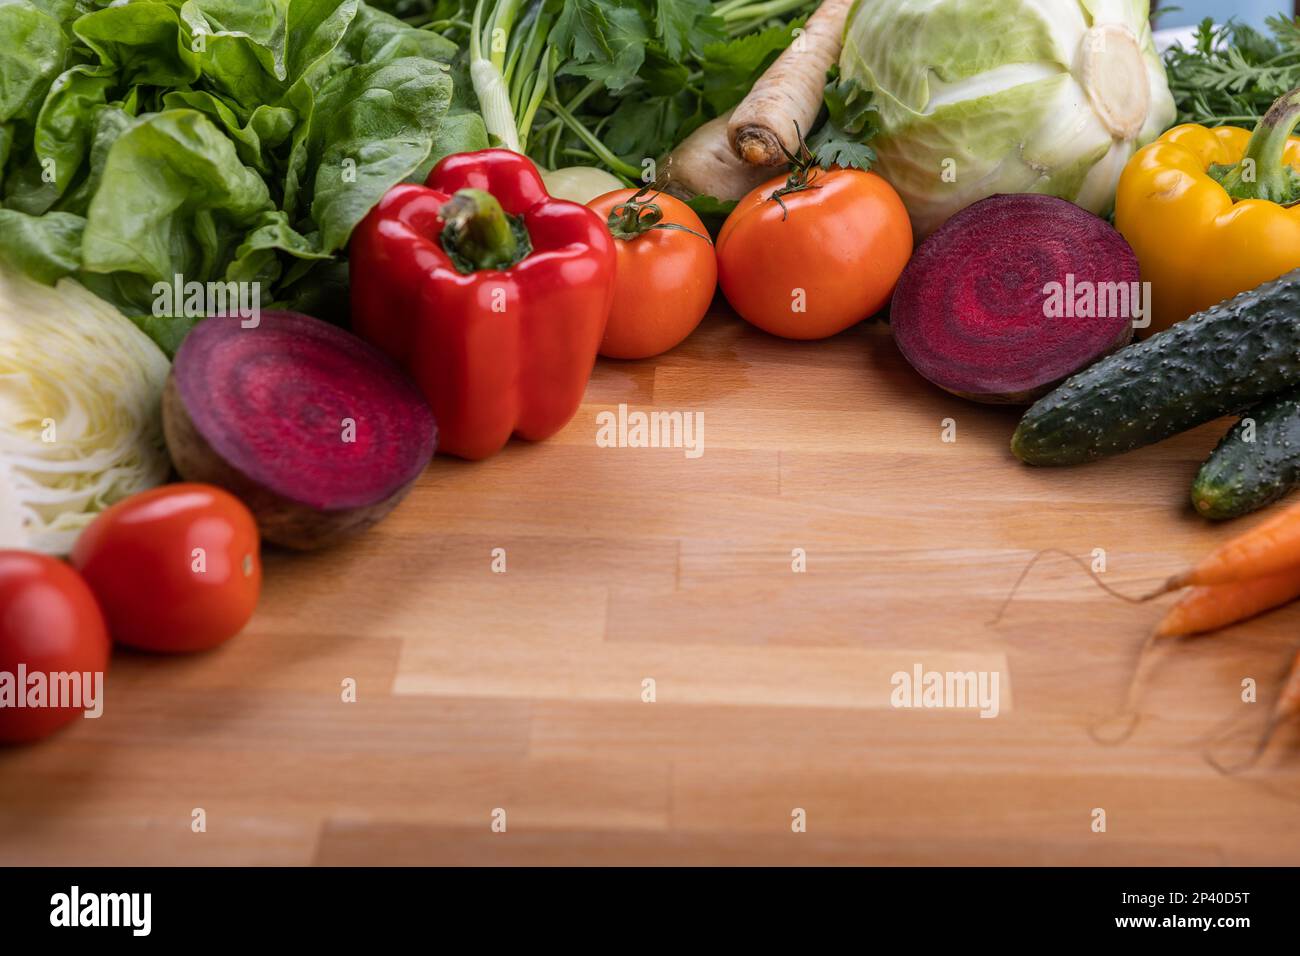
x=1243 y=476
x=1220 y=361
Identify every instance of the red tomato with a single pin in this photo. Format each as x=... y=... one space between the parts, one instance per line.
x=175 y=568
x=665 y=278
x=50 y=624
x=822 y=259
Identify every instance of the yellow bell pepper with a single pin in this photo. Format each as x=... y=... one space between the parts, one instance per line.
x=1206 y=211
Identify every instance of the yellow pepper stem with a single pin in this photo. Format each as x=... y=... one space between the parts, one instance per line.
x=1262 y=172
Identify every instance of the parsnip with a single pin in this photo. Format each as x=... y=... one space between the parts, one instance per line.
x=787 y=98
x=704 y=165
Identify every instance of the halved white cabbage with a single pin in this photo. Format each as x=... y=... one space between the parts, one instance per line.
x=80 y=411
x=978 y=97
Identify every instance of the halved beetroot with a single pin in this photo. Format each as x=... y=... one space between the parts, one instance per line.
x=994 y=306
x=316 y=431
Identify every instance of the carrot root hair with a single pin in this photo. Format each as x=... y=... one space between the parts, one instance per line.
x=1131 y=714
x=1096 y=579
x=1118 y=727
x=1256 y=754
x=1288 y=708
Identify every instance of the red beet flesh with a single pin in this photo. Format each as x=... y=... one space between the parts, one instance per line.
x=973 y=312
x=315 y=430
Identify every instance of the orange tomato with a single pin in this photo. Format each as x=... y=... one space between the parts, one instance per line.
x=664 y=279
x=174 y=568
x=827 y=260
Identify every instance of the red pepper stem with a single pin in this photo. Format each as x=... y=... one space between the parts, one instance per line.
x=478 y=234
x=1263 y=173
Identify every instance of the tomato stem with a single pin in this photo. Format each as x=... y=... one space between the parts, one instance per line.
x=803 y=172
x=639 y=215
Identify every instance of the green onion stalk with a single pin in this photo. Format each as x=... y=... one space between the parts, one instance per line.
x=487 y=74
x=743 y=16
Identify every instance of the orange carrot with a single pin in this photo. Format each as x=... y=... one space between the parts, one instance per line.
x=1267 y=549
x=1208 y=608
x=1204 y=609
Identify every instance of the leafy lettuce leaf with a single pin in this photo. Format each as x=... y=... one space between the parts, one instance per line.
x=230 y=140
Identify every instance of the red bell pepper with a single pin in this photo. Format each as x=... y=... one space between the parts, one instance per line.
x=493 y=295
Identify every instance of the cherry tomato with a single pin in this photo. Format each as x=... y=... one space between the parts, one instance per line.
x=175 y=568
x=665 y=278
x=823 y=258
x=50 y=624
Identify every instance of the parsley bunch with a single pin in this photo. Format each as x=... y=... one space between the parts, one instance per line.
x=614 y=82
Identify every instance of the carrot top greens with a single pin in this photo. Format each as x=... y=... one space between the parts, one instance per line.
x=1231 y=74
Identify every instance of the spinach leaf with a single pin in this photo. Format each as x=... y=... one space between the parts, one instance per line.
x=167 y=331
x=142 y=43
x=257 y=259
x=31 y=56
x=377 y=37
x=60 y=141
x=173 y=199
x=45 y=247
x=373 y=126
x=234 y=140
x=267 y=128
x=110 y=122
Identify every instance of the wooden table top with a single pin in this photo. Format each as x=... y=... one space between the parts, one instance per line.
x=480 y=692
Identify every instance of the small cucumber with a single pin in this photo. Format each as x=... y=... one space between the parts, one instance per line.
x=1256 y=463
x=1220 y=361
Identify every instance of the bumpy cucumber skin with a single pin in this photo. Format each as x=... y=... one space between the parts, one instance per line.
x=1241 y=476
x=1220 y=361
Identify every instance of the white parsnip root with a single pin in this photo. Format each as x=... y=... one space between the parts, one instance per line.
x=789 y=95
x=704 y=165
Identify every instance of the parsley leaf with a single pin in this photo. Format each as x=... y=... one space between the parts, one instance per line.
x=730 y=67
x=685 y=25
x=608 y=43
x=852 y=121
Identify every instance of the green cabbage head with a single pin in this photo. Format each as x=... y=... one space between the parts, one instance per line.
x=978 y=97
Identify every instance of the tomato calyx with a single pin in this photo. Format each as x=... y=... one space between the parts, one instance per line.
x=639 y=215
x=803 y=173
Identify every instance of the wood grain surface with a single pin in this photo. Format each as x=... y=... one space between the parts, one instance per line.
x=523 y=691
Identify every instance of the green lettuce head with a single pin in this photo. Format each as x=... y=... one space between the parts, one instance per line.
x=978 y=97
